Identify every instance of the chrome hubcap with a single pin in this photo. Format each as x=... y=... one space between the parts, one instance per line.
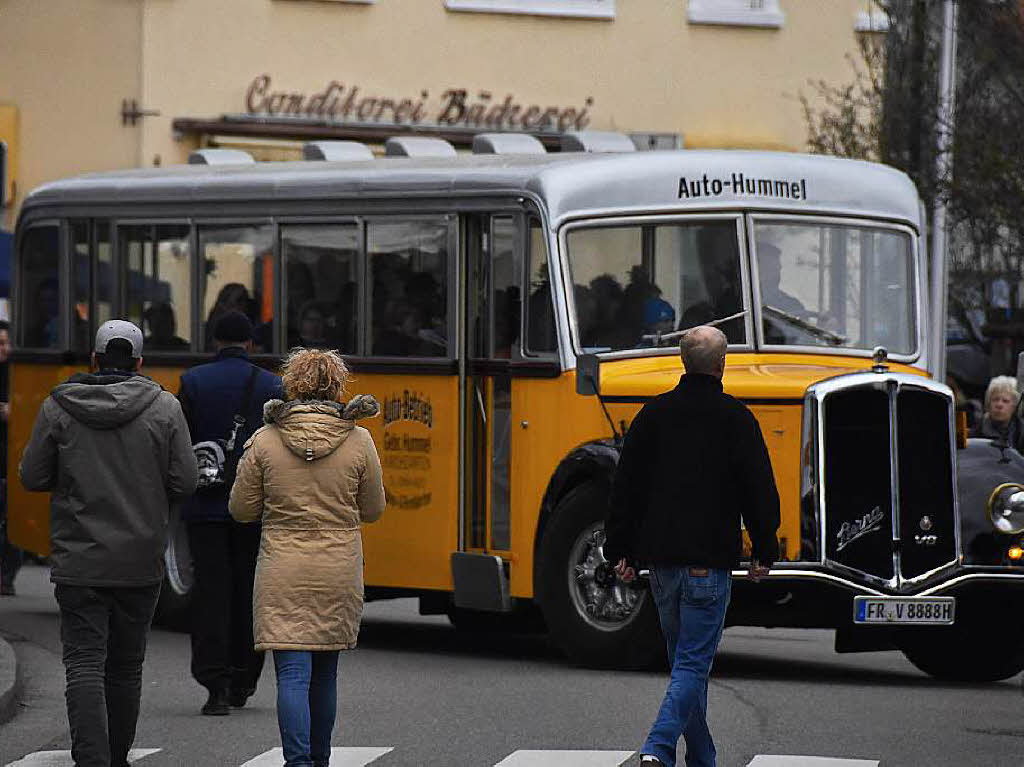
x=607 y=608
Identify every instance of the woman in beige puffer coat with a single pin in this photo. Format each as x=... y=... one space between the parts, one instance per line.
x=312 y=477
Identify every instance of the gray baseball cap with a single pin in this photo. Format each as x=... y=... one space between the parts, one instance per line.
x=112 y=329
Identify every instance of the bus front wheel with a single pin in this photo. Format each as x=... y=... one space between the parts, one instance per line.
x=596 y=623
x=980 y=650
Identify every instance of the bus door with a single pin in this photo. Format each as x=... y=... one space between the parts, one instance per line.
x=493 y=268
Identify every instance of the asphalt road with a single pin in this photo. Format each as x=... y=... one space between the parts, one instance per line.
x=435 y=696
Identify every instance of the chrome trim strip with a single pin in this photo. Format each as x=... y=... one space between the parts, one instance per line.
x=782 y=574
x=972 y=577
x=894 y=483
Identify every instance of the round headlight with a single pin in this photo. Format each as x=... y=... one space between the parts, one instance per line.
x=1006 y=508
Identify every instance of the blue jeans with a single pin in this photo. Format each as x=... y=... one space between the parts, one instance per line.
x=307 y=700
x=691 y=606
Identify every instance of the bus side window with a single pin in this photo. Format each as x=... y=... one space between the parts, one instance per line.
x=103 y=280
x=541 y=337
x=237 y=274
x=408 y=275
x=39 y=294
x=321 y=285
x=505 y=321
x=81 y=267
x=156 y=273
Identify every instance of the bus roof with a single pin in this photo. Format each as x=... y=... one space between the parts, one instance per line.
x=568 y=185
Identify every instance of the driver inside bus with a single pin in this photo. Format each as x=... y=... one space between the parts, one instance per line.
x=777 y=329
x=770 y=268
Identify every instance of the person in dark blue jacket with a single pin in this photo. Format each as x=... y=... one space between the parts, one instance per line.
x=224 y=551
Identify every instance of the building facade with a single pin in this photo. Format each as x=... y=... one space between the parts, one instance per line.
x=90 y=85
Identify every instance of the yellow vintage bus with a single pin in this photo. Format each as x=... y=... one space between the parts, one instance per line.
x=512 y=313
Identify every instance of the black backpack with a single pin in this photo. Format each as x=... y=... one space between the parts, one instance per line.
x=218 y=458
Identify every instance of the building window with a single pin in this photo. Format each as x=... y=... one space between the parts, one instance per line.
x=872 y=20
x=744 y=13
x=585 y=9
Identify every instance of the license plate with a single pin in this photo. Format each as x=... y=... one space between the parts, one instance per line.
x=904 y=610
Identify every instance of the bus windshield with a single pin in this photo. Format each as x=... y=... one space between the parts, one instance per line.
x=838 y=286
x=636 y=286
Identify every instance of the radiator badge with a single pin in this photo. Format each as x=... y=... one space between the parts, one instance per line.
x=851 y=531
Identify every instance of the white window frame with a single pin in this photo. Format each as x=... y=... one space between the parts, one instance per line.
x=581 y=9
x=734 y=13
x=874 y=20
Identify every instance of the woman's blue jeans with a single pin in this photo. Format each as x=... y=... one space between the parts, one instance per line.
x=691 y=606
x=307 y=701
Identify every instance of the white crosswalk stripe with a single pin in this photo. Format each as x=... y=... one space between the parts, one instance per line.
x=762 y=760
x=340 y=757
x=63 y=758
x=359 y=756
x=564 y=759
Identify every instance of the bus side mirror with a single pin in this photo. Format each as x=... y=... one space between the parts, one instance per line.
x=588 y=375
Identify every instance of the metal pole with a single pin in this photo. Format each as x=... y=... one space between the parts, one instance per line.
x=943 y=165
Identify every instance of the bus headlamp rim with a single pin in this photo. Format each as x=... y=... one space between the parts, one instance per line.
x=1003 y=525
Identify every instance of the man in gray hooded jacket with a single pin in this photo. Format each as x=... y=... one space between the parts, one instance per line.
x=114 y=450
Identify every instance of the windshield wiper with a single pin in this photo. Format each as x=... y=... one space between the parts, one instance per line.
x=673 y=335
x=833 y=338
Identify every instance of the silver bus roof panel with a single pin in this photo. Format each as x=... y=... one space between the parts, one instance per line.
x=568 y=185
x=507 y=143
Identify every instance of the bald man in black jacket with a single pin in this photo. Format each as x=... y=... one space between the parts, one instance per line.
x=693 y=464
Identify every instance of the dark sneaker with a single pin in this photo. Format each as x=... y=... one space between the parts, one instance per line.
x=651 y=761
x=237 y=698
x=216 y=704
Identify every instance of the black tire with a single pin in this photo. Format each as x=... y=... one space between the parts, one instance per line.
x=633 y=642
x=975 y=651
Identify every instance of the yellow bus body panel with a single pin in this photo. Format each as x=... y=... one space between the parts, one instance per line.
x=417 y=437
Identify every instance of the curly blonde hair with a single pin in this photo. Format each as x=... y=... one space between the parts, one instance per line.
x=314 y=374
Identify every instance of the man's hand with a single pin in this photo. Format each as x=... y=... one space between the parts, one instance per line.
x=757 y=571
x=625 y=572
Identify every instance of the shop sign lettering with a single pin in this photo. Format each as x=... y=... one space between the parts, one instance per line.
x=458 y=108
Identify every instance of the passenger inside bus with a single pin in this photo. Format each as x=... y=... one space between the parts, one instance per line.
x=44 y=330
x=162 y=327
x=312 y=326
x=233 y=297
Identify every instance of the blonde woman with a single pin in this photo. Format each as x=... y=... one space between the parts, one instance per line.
x=312 y=477
x=1000 y=419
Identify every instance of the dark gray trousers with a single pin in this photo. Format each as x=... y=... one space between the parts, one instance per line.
x=104 y=632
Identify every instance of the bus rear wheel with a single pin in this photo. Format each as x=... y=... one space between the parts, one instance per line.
x=596 y=623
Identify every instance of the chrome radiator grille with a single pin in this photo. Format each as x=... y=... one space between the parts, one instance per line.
x=886 y=492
